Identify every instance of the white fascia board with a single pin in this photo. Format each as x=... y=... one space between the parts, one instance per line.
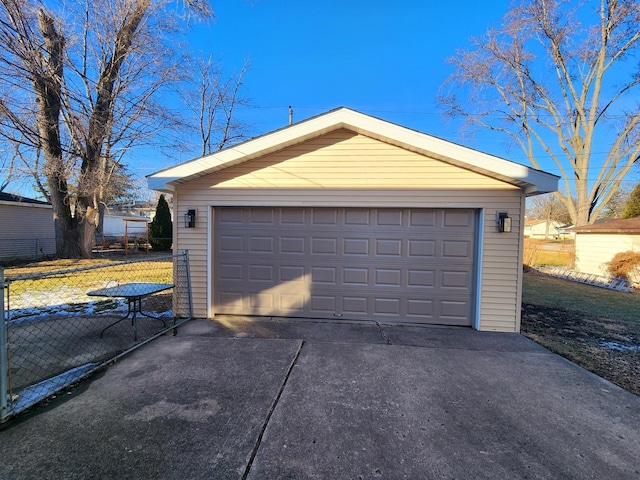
x=263 y=145
x=530 y=180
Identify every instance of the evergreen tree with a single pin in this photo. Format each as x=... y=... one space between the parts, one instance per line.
x=632 y=207
x=161 y=228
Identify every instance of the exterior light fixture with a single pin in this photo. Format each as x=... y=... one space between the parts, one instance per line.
x=190 y=219
x=504 y=222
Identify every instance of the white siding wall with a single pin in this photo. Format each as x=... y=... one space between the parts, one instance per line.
x=114 y=225
x=542 y=230
x=594 y=250
x=26 y=230
x=345 y=169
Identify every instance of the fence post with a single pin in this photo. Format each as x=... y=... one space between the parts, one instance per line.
x=4 y=359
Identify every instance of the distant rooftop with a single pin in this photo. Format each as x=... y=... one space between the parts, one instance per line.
x=10 y=197
x=629 y=225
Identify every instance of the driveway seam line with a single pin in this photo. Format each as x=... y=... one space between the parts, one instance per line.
x=256 y=447
x=383 y=334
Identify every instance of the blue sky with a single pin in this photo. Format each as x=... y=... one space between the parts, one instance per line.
x=383 y=58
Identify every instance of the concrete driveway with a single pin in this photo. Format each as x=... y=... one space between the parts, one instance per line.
x=285 y=399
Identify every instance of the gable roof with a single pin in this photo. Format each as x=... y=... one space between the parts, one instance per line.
x=529 y=223
x=10 y=197
x=629 y=225
x=532 y=181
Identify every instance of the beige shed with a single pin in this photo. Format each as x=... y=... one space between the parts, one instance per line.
x=347 y=216
x=597 y=244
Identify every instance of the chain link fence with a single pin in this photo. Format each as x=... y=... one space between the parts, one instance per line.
x=59 y=326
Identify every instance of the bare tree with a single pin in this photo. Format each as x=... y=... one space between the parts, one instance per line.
x=9 y=164
x=558 y=78
x=212 y=100
x=548 y=207
x=92 y=82
x=615 y=206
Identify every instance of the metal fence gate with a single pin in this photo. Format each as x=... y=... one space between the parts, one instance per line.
x=60 y=326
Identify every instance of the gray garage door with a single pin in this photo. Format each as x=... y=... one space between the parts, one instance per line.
x=399 y=265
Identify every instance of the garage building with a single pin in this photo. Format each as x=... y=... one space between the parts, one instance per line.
x=347 y=216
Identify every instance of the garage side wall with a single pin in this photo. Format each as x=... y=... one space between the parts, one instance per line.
x=343 y=169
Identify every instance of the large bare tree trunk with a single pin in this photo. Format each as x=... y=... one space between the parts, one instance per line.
x=48 y=88
x=92 y=90
x=92 y=171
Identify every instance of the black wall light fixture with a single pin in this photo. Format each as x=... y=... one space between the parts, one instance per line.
x=190 y=219
x=504 y=222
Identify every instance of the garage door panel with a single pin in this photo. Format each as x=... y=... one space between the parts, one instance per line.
x=420 y=278
x=229 y=215
x=355 y=305
x=356 y=217
x=390 y=217
x=292 y=245
x=326 y=275
x=458 y=218
x=387 y=307
x=419 y=308
x=292 y=273
x=355 y=276
x=388 y=277
x=261 y=216
x=261 y=273
x=412 y=265
x=231 y=301
x=231 y=271
x=356 y=246
x=290 y=303
x=230 y=243
x=261 y=244
x=389 y=247
x=456 y=248
x=422 y=218
x=449 y=279
x=324 y=246
x=325 y=304
x=324 y=217
x=422 y=248
x=293 y=216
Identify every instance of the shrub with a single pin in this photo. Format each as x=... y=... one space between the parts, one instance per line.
x=625 y=265
x=530 y=254
x=161 y=228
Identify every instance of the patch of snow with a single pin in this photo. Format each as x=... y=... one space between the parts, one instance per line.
x=620 y=347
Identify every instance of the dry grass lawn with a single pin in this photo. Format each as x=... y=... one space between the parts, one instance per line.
x=596 y=328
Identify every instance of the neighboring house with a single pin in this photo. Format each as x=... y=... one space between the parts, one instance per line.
x=351 y=217
x=546 y=229
x=26 y=228
x=597 y=244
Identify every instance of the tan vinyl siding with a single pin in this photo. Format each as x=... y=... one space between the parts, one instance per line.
x=594 y=250
x=344 y=159
x=378 y=175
